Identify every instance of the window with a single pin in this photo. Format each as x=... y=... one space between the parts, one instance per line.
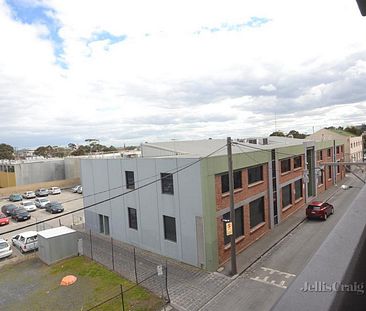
x=298 y=162
x=285 y=165
x=320 y=157
x=342 y=148
x=256 y=209
x=329 y=152
x=169 y=229
x=286 y=196
x=298 y=189
x=255 y=174
x=167 y=183
x=338 y=168
x=329 y=169
x=132 y=218
x=225 y=181
x=320 y=177
x=337 y=149
x=130 y=180
x=103 y=224
x=239 y=224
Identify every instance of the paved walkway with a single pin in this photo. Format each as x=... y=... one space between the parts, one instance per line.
x=189 y=288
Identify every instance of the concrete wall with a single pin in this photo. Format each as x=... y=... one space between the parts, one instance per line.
x=72 y=167
x=104 y=179
x=35 y=172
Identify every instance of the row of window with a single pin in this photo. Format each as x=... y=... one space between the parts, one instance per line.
x=255 y=174
x=170 y=232
x=328 y=173
x=329 y=152
x=287 y=193
x=167 y=186
x=256 y=212
x=286 y=164
x=5 y=168
x=356 y=144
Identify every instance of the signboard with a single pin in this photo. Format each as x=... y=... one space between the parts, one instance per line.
x=229 y=228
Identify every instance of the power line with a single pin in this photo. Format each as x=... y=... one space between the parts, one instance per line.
x=114 y=197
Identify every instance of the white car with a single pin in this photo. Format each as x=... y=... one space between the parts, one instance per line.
x=41 y=202
x=80 y=190
x=54 y=190
x=26 y=241
x=75 y=189
x=28 y=205
x=5 y=249
x=29 y=195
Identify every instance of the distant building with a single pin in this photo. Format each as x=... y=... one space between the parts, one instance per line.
x=352 y=144
x=182 y=215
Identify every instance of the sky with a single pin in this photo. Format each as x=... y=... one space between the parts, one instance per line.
x=127 y=72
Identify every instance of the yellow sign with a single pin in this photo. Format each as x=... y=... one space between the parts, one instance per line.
x=229 y=228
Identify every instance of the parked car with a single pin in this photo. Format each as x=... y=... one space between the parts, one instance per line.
x=4 y=220
x=5 y=249
x=15 y=197
x=8 y=208
x=41 y=202
x=28 y=205
x=29 y=195
x=75 y=189
x=42 y=192
x=80 y=190
x=319 y=210
x=26 y=241
x=54 y=190
x=54 y=207
x=19 y=214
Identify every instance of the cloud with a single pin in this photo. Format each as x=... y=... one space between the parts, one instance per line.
x=176 y=70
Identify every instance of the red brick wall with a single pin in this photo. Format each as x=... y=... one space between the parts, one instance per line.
x=223 y=201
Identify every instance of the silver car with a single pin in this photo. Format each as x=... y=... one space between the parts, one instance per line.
x=5 y=249
x=41 y=202
x=28 y=205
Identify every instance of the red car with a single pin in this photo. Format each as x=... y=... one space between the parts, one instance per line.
x=3 y=219
x=319 y=210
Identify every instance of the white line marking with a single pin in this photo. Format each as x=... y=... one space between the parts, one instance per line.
x=269 y=283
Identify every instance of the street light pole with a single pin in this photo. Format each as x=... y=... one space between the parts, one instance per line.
x=232 y=210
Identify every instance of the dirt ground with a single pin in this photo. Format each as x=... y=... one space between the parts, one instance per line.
x=34 y=286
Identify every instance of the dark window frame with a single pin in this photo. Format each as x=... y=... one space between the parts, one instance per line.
x=285 y=165
x=297 y=163
x=259 y=218
x=255 y=174
x=132 y=218
x=130 y=182
x=170 y=229
x=238 y=182
x=239 y=225
x=167 y=183
x=298 y=186
x=329 y=152
x=286 y=201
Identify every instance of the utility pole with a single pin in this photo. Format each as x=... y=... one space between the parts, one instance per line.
x=232 y=210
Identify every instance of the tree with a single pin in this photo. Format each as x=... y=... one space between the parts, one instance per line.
x=278 y=133
x=354 y=130
x=6 y=152
x=296 y=134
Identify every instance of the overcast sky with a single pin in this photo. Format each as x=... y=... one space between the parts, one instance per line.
x=136 y=71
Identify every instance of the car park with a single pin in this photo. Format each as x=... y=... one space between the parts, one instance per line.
x=41 y=202
x=5 y=249
x=15 y=197
x=8 y=208
x=75 y=189
x=4 y=220
x=42 y=192
x=319 y=210
x=29 y=195
x=26 y=241
x=19 y=214
x=54 y=207
x=28 y=205
x=54 y=190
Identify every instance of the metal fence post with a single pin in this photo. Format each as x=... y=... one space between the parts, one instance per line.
x=122 y=299
x=112 y=254
x=59 y=222
x=91 y=245
x=134 y=260
x=166 y=281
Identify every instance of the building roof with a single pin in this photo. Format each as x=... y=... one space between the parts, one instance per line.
x=50 y=233
x=205 y=147
x=341 y=132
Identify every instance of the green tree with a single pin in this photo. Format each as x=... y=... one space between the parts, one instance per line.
x=6 y=152
x=278 y=133
x=296 y=134
x=354 y=130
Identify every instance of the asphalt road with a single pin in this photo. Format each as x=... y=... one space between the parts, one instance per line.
x=70 y=201
x=259 y=287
